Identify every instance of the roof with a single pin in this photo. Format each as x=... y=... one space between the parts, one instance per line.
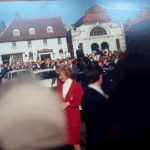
x=95 y=9
x=92 y=15
x=40 y=26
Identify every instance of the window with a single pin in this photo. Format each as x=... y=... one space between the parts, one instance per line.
x=29 y=44
x=45 y=42
x=30 y=55
x=14 y=45
x=97 y=31
x=61 y=55
x=17 y=57
x=49 y=29
x=32 y=31
x=59 y=41
x=60 y=51
x=118 y=44
x=46 y=75
x=16 y=32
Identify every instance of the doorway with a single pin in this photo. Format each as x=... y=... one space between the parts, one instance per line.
x=94 y=47
x=45 y=56
x=104 y=46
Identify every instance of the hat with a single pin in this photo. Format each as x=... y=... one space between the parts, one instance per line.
x=31 y=118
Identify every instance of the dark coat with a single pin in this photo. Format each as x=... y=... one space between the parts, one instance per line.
x=96 y=112
x=79 y=53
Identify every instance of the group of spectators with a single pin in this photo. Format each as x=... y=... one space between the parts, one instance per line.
x=106 y=59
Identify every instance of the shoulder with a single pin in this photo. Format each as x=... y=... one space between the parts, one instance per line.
x=91 y=93
x=75 y=83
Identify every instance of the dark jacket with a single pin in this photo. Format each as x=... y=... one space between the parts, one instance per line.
x=96 y=113
x=79 y=53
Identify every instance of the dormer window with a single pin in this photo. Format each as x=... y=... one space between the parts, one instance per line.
x=50 y=29
x=32 y=31
x=16 y=32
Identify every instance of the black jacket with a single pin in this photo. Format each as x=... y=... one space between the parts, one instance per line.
x=96 y=113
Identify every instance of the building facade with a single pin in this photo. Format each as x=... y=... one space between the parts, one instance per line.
x=32 y=40
x=95 y=30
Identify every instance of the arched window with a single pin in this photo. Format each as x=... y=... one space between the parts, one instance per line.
x=61 y=55
x=94 y=47
x=60 y=51
x=32 y=31
x=16 y=32
x=97 y=31
x=104 y=46
x=49 y=29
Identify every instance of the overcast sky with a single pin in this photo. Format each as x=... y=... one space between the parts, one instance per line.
x=71 y=10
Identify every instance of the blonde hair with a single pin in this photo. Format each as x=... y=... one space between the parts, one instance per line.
x=66 y=70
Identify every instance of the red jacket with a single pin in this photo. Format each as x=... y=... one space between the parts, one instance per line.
x=74 y=97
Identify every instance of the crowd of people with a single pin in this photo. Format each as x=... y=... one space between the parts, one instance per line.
x=105 y=59
x=47 y=116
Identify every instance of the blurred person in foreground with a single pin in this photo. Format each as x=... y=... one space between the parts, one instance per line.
x=96 y=109
x=71 y=92
x=131 y=98
x=32 y=118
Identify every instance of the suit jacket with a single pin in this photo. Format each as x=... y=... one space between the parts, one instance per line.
x=79 y=53
x=74 y=97
x=96 y=114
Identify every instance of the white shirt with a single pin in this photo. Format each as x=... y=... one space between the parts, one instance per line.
x=98 y=89
x=66 y=87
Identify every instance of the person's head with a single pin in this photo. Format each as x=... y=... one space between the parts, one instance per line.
x=79 y=46
x=65 y=72
x=28 y=120
x=74 y=61
x=93 y=73
x=62 y=62
x=69 y=61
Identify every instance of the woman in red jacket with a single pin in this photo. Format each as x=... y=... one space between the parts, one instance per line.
x=71 y=92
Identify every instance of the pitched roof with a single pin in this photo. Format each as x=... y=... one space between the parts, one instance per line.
x=92 y=15
x=95 y=9
x=40 y=26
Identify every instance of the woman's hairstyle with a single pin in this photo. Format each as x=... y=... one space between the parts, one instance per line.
x=65 y=69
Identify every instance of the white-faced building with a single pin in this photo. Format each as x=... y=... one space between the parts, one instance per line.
x=95 y=30
x=30 y=40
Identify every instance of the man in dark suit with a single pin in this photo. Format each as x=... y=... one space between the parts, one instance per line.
x=80 y=56
x=79 y=52
x=95 y=108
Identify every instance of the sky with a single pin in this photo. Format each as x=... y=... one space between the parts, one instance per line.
x=70 y=10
